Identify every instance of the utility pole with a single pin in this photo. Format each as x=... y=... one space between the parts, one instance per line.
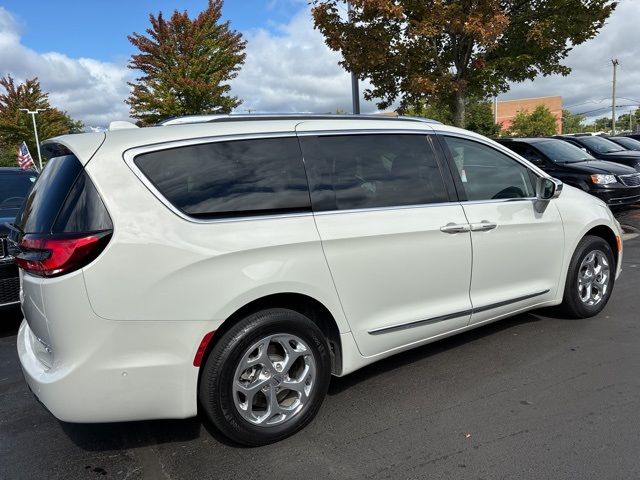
x=355 y=90
x=33 y=114
x=615 y=64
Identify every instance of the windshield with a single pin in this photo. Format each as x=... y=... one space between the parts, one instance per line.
x=628 y=143
x=13 y=190
x=600 y=145
x=560 y=151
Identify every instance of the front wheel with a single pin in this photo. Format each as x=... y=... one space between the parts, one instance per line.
x=590 y=278
x=266 y=377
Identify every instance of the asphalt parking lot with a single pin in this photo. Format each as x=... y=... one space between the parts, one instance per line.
x=534 y=396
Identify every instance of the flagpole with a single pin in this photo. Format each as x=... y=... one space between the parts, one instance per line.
x=33 y=114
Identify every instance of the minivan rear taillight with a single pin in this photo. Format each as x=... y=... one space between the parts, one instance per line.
x=63 y=224
x=53 y=255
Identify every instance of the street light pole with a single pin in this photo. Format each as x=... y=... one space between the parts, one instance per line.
x=355 y=90
x=33 y=114
x=615 y=64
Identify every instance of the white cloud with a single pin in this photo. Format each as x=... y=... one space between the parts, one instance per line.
x=293 y=71
x=88 y=89
x=588 y=87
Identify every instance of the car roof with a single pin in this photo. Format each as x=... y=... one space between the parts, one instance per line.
x=529 y=140
x=85 y=145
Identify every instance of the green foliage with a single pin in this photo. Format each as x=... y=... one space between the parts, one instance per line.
x=539 y=123
x=16 y=126
x=628 y=121
x=449 y=50
x=478 y=115
x=572 y=123
x=186 y=65
x=602 y=124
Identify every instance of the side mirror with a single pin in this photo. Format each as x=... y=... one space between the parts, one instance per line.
x=546 y=189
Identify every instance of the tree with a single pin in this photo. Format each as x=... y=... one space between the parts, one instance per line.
x=572 y=123
x=185 y=66
x=628 y=121
x=539 y=123
x=602 y=124
x=478 y=115
x=450 y=50
x=17 y=127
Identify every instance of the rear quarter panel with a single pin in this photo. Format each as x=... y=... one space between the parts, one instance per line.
x=159 y=266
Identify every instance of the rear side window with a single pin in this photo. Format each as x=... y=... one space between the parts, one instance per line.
x=240 y=177
x=48 y=194
x=63 y=200
x=371 y=171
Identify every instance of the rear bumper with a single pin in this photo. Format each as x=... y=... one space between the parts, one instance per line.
x=124 y=389
x=86 y=369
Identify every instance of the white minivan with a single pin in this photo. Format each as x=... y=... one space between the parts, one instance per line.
x=231 y=264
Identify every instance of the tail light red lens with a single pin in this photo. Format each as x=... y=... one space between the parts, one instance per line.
x=53 y=255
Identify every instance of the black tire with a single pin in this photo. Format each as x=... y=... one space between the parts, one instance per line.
x=217 y=378
x=572 y=305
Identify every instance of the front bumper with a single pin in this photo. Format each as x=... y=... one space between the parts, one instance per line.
x=9 y=283
x=619 y=196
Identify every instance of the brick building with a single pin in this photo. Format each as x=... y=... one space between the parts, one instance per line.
x=507 y=109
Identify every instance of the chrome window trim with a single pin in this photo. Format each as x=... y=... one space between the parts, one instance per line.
x=365 y=131
x=130 y=155
x=381 y=209
x=451 y=316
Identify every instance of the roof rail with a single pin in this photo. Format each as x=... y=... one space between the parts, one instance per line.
x=235 y=117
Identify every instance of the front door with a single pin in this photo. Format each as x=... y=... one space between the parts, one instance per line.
x=517 y=250
x=381 y=205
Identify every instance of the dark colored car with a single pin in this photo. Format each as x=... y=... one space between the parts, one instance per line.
x=613 y=183
x=15 y=184
x=603 y=149
x=626 y=142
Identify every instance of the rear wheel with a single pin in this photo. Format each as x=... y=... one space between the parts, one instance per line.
x=266 y=378
x=590 y=278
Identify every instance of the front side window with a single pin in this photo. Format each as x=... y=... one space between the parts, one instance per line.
x=371 y=171
x=221 y=179
x=487 y=174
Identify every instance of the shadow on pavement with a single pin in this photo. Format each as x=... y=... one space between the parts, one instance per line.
x=339 y=384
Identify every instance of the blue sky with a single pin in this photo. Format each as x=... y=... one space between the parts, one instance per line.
x=99 y=29
x=79 y=51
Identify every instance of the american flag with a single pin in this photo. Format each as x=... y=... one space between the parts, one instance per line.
x=24 y=157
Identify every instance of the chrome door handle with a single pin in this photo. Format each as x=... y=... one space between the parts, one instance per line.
x=483 y=226
x=455 y=228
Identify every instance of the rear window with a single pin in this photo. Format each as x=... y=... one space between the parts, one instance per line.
x=48 y=194
x=222 y=179
x=63 y=200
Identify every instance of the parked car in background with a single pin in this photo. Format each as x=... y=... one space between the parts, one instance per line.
x=14 y=187
x=626 y=142
x=231 y=266
x=603 y=149
x=635 y=136
x=613 y=183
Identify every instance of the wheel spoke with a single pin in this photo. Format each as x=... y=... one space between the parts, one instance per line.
x=593 y=278
x=274 y=379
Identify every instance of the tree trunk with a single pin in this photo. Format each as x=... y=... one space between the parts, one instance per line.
x=458 y=119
